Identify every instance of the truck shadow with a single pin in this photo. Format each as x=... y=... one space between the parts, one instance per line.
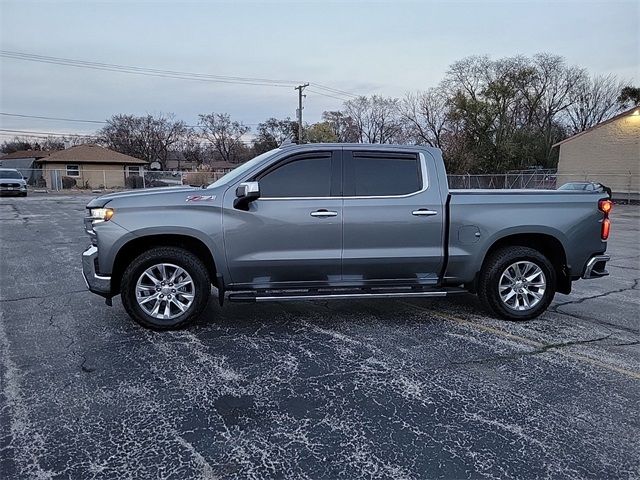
x=382 y=312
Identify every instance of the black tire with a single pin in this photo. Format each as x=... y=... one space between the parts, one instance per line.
x=23 y=194
x=492 y=270
x=173 y=255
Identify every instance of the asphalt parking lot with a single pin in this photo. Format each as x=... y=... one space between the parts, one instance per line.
x=373 y=389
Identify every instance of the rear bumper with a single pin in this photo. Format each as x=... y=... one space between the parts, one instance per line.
x=98 y=284
x=596 y=267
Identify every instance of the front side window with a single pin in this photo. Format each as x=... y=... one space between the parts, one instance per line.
x=308 y=176
x=368 y=174
x=73 y=170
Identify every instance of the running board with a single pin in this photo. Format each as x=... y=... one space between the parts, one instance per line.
x=284 y=296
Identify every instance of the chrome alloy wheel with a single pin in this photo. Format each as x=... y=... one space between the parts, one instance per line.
x=165 y=291
x=522 y=286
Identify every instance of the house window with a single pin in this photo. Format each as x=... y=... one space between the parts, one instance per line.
x=133 y=170
x=73 y=170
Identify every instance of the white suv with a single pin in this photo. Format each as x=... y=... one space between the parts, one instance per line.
x=12 y=182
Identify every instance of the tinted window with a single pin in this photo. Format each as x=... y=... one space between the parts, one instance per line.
x=307 y=177
x=376 y=176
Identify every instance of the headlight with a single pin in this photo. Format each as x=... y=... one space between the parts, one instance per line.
x=98 y=215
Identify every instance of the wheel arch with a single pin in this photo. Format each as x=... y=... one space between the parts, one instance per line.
x=140 y=244
x=548 y=245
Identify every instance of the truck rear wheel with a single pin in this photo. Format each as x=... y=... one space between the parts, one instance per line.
x=517 y=283
x=165 y=288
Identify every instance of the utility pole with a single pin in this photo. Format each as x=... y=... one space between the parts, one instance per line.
x=300 y=88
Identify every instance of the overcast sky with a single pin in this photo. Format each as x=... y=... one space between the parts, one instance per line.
x=383 y=47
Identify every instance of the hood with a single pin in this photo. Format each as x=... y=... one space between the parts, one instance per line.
x=149 y=196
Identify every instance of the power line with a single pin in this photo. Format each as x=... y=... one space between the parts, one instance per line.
x=40 y=117
x=163 y=73
x=38 y=134
x=31 y=133
x=52 y=118
x=334 y=90
x=328 y=95
x=146 y=71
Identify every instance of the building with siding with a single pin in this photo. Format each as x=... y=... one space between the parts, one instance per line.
x=89 y=166
x=608 y=153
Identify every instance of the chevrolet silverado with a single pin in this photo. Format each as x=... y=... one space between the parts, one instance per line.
x=340 y=221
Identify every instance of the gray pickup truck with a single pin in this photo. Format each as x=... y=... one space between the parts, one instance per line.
x=332 y=221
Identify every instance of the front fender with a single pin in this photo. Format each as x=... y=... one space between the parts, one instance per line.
x=202 y=222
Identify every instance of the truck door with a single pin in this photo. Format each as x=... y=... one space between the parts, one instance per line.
x=393 y=218
x=291 y=235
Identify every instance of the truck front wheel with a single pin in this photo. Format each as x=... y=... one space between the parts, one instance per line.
x=517 y=283
x=165 y=288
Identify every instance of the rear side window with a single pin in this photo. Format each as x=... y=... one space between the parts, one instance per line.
x=303 y=177
x=368 y=174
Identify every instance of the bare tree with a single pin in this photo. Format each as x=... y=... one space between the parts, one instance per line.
x=376 y=118
x=26 y=143
x=194 y=149
x=148 y=138
x=224 y=134
x=342 y=126
x=425 y=114
x=549 y=90
x=594 y=100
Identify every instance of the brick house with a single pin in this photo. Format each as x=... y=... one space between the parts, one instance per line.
x=608 y=153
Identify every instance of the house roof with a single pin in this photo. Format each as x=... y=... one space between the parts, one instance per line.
x=222 y=165
x=612 y=119
x=26 y=154
x=91 y=153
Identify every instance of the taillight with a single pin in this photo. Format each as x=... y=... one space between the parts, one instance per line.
x=605 y=207
x=606 y=226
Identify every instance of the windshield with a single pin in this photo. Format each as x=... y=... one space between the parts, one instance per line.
x=10 y=174
x=574 y=186
x=239 y=171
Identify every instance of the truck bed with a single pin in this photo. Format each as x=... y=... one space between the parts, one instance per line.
x=479 y=218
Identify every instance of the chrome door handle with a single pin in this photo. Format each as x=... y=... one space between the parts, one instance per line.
x=324 y=213
x=423 y=212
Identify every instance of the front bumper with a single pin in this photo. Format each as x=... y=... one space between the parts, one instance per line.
x=6 y=190
x=596 y=267
x=98 y=284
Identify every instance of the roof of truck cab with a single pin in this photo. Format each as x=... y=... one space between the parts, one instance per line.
x=357 y=146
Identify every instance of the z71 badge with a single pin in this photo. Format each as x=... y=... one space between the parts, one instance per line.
x=200 y=198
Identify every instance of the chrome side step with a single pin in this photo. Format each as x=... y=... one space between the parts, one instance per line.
x=285 y=296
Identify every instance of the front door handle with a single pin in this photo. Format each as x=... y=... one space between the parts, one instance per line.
x=324 y=213
x=423 y=212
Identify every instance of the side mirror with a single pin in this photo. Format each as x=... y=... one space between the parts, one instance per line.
x=246 y=193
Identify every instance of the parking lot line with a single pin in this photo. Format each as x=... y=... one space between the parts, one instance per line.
x=529 y=341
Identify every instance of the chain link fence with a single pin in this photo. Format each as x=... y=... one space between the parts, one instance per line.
x=625 y=185
x=545 y=179
x=55 y=179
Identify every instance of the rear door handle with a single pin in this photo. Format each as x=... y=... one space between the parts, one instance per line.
x=423 y=212
x=324 y=213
